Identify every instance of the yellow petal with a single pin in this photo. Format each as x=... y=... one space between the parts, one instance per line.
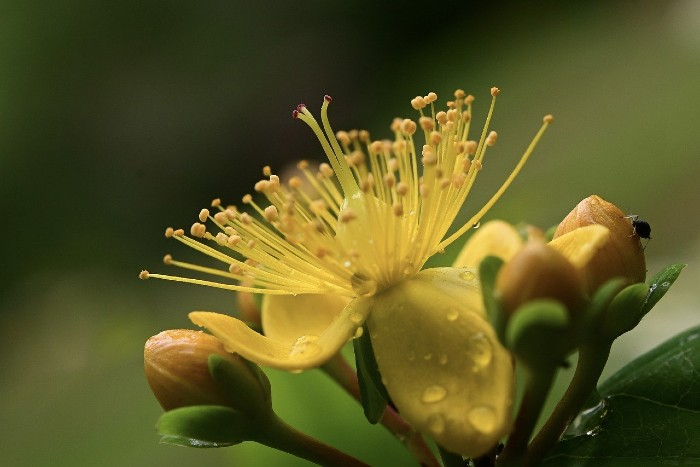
x=580 y=245
x=441 y=361
x=306 y=350
x=286 y=317
x=495 y=238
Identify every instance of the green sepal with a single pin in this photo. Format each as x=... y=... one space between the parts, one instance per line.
x=372 y=391
x=601 y=299
x=624 y=312
x=660 y=284
x=246 y=382
x=488 y=271
x=204 y=426
x=540 y=333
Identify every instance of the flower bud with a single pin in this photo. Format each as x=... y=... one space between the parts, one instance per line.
x=538 y=271
x=177 y=368
x=622 y=256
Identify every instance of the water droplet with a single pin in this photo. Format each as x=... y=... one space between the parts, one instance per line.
x=482 y=418
x=356 y=317
x=363 y=286
x=296 y=372
x=427 y=356
x=436 y=424
x=347 y=263
x=665 y=285
x=443 y=359
x=358 y=332
x=434 y=393
x=589 y=420
x=305 y=346
x=476 y=226
x=452 y=315
x=480 y=350
x=409 y=269
x=468 y=276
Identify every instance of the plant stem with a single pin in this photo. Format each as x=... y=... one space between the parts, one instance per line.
x=340 y=370
x=281 y=436
x=591 y=361
x=537 y=385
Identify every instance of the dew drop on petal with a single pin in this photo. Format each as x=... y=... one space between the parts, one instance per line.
x=467 y=276
x=358 y=332
x=443 y=359
x=436 y=424
x=452 y=315
x=305 y=346
x=480 y=350
x=433 y=393
x=356 y=317
x=482 y=418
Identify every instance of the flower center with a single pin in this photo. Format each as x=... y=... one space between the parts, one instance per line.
x=369 y=218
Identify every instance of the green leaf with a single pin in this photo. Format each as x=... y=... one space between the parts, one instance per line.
x=372 y=392
x=660 y=284
x=204 y=426
x=649 y=416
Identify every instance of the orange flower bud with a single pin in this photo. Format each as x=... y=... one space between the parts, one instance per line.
x=177 y=369
x=622 y=256
x=539 y=271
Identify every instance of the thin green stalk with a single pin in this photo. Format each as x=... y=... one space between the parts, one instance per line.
x=591 y=361
x=281 y=436
x=537 y=385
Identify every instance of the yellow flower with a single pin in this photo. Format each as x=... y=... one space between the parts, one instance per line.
x=349 y=251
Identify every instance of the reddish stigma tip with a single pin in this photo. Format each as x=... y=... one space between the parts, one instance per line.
x=327 y=98
x=295 y=113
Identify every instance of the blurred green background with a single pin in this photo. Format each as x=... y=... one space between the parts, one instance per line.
x=118 y=119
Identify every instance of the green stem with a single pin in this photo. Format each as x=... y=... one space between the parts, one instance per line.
x=591 y=361
x=340 y=371
x=281 y=436
x=537 y=385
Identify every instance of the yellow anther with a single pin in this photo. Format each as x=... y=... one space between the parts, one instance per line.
x=267 y=171
x=167 y=259
x=435 y=138
x=548 y=119
x=325 y=170
x=169 y=232
x=203 y=215
x=426 y=123
x=495 y=91
x=216 y=202
x=343 y=137
x=247 y=199
x=418 y=103
x=198 y=230
x=430 y=98
x=491 y=138
x=271 y=213
x=408 y=127
x=143 y=275
x=441 y=117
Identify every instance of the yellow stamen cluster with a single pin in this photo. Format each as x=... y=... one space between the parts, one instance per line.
x=365 y=220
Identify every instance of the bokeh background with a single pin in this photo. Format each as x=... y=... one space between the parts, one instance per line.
x=118 y=119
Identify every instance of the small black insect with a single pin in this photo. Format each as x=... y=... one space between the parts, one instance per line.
x=642 y=229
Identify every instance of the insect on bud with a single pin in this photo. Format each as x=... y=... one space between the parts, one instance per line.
x=177 y=368
x=538 y=271
x=622 y=256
